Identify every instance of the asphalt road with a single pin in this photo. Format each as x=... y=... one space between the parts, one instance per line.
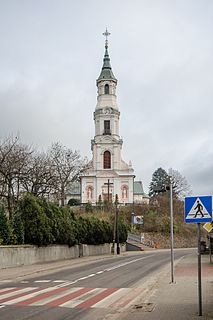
x=99 y=290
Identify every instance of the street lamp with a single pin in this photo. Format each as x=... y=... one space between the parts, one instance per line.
x=116 y=223
x=164 y=189
x=171 y=230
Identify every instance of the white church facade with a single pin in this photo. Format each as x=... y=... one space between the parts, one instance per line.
x=107 y=174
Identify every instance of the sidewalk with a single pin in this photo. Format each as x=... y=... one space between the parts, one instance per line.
x=178 y=301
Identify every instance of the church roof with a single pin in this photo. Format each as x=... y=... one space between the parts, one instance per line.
x=106 y=72
x=138 y=187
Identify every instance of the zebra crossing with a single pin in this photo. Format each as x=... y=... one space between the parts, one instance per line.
x=76 y=297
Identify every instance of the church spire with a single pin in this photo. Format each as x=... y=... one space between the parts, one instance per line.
x=106 y=72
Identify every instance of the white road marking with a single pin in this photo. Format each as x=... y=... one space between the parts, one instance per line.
x=67 y=283
x=123 y=297
x=75 y=302
x=28 y=296
x=104 y=303
x=6 y=289
x=11 y=294
x=54 y=297
x=83 y=278
x=91 y=275
x=126 y=263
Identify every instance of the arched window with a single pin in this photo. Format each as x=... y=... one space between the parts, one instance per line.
x=106 y=89
x=107 y=160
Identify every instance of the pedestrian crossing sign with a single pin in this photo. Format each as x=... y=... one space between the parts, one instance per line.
x=198 y=209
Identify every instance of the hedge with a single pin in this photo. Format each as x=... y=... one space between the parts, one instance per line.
x=42 y=223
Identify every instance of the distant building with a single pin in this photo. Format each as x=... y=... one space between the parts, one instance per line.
x=139 y=195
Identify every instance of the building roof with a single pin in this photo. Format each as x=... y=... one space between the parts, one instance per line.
x=138 y=188
x=106 y=72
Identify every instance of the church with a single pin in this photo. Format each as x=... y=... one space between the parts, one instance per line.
x=107 y=176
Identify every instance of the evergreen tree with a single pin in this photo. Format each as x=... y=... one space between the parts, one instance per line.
x=4 y=227
x=18 y=229
x=160 y=179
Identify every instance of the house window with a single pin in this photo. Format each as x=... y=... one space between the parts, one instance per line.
x=106 y=89
x=107 y=127
x=107 y=160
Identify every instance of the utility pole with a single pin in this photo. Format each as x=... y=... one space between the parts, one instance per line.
x=116 y=219
x=171 y=231
x=164 y=189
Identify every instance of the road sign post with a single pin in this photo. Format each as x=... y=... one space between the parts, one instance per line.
x=199 y=271
x=198 y=210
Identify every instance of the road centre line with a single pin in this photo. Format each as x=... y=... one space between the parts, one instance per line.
x=126 y=263
x=102 y=271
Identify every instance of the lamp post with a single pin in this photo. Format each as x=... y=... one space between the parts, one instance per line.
x=171 y=230
x=164 y=189
x=116 y=223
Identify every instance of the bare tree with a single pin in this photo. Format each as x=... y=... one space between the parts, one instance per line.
x=180 y=184
x=39 y=177
x=13 y=162
x=67 y=165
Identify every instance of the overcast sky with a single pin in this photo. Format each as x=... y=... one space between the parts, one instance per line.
x=161 y=53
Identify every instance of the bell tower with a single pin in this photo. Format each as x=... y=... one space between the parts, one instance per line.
x=108 y=174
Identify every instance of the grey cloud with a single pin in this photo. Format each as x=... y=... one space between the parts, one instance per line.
x=161 y=52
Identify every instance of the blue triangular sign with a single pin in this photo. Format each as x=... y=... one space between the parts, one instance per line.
x=198 y=209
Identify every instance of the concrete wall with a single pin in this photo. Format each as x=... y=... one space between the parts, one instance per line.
x=89 y=250
x=12 y=256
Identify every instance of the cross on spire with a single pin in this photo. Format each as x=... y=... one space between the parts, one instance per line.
x=106 y=34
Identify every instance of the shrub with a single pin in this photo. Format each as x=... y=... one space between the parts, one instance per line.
x=88 y=207
x=91 y=230
x=37 y=226
x=4 y=227
x=74 y=202
x=17 y=229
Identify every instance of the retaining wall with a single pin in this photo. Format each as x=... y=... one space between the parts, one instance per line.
x=13 y=256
